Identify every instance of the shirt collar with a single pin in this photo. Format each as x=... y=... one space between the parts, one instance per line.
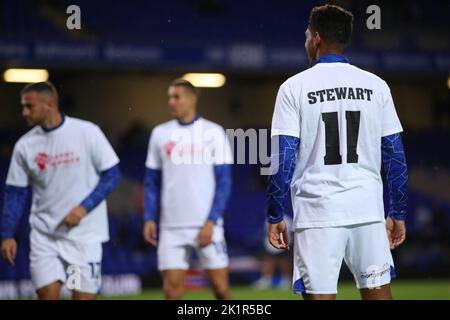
x=47 y=130
x=332 y=57
x=197 y=116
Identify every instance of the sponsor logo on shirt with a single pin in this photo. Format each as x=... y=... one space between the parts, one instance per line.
x=169 y=147
x=43 y=160
x=374 y=274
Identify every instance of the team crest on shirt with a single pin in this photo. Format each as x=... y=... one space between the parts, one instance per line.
x=43 y=160
x=169 y=147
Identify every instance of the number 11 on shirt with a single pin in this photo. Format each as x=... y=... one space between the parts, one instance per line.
x=332 y=155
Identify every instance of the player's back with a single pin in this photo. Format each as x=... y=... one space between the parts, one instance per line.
x=343 y=112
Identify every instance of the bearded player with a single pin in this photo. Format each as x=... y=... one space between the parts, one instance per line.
x=71 y=169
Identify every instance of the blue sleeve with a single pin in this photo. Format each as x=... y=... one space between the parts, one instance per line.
x=222 y=174
x=152 y=190
x=396 y=171
x=283 y=163
x=109 y=179
x=13 y=208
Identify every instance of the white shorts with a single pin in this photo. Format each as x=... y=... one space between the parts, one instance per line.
x=56 y=259
x=176 y=244
x=318 y=255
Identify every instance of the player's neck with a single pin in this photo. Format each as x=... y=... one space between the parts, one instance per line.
x=188 y=118
x=325 y=51
x=53 y=121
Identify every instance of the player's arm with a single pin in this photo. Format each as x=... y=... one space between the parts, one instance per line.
x=13 y=207
x=15 y=199
x=222 y=175
x=109 y=179
x=152 y=189
x=396 y=171
x=285 y=145
x=105 y=162
x=283 y=161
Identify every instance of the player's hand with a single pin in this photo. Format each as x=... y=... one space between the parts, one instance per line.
x=150 y=232
x=278 y=235
x=396 y=232
x=205 y=236
x=74 y=217
x=9 y=250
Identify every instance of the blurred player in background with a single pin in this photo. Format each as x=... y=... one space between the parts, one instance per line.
x=193 y=193
x=336 y=124
x=71 y=169
x=276 y=260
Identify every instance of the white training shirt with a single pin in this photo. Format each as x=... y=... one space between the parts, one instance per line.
x=186 y=154
x=331 y=191
x=63 y=167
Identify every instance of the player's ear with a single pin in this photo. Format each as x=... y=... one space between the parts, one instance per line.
x=317 y=39
x=52 y=104
x=193 y=98
x=49 y=101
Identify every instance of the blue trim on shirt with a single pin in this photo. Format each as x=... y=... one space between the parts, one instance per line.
x=279 y=183
x=152 y=190
x=396 y=171
x=222 y=174
x=47 y=130
x=13 y=208
x=109 y=179
x=197 y=116
x=332 y=57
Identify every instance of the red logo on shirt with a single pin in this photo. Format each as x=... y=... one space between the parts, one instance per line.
x=169 y=147
x=61 y=159
x=41 y=160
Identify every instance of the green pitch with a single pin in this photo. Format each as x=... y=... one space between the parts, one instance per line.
x=423 y=289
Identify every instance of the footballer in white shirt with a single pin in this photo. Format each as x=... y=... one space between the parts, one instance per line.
x=71 y=168
x=188 y=172
x=335 y=125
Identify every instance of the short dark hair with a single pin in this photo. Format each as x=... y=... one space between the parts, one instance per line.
x=180 y=82
x=333 y=23
x=41 y=87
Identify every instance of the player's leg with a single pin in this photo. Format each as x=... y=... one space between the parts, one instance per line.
x=174 y=253
x=381 y=293
x=218 y=278
x=369 y=258
x=51 y=291
x=214 y=258
x=318 y=255
x=268 y=268
x=83 y=296
x=285 y=266
x=322 y=296
x=46 y=268
x=173 y=283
